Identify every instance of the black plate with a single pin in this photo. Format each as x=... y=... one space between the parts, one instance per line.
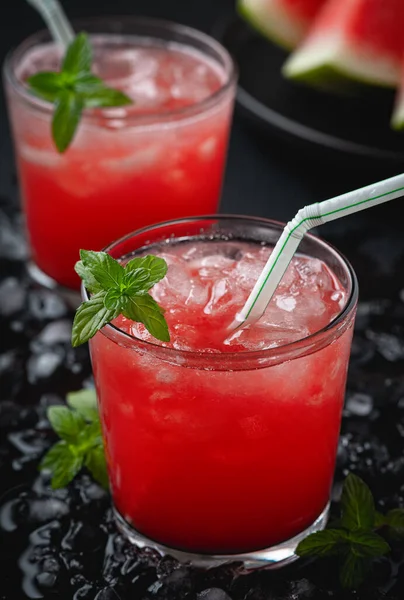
x=354 y=126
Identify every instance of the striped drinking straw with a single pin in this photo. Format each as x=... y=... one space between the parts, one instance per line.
x=307 y=218
x=56 y=20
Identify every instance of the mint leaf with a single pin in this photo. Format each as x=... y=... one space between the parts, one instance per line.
x=105 y=97
x=66 y=117
x=86 y=83
x=357 y=504
x=96 y=464
x=322 y=543
x=85 y=403
x=364 y=544
x=82 y=444
x=78 y=57
x=107 y=271
x=380 y=520
x=144 y=309
x=395 y=523
x=97 y=94
x=367 y=544
x=54 y=455
x=90 y=317
x=395 y=518
x=353 y=571
x=72 y=90
x=89 y=280
x=47 y=85
x=113 y=299
x=353 y=537
x=123 y=291
x=63 y=463
x=91 y=436
x=65 y=423
x=135 y=280
x=155 y=267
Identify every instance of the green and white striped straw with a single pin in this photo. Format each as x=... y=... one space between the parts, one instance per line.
x=56 y=20
x=308 y=217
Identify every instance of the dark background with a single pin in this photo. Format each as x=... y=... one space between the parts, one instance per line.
x=264 y=177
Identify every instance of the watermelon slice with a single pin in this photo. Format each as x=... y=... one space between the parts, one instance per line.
x=284 y=22
x=362 y=40
x=397 y=121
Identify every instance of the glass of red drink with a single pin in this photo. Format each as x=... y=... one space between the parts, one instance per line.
x=221 y=445
x=128 y=167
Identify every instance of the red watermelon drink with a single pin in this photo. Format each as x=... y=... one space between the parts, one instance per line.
x=222 y=444
x=162 y=157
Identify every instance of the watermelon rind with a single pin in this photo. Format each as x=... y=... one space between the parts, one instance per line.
x=332 y=58
x=397 y=120
x=272 y=21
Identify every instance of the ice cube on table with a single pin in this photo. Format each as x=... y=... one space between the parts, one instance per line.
x=12 y=296
x=57 y=332
x=12 y=240
x=359 y=404
x=42 y=366
x=213 y=594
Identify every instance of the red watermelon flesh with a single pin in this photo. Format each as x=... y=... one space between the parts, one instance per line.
x=360 y=39
x=284 y=22
x=304 y=10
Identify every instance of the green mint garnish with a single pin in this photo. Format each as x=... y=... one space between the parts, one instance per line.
x=78 y=426
x=356 y=538
x=357 y=505
x=72 y=90
x=353 y=571
x=116 y=290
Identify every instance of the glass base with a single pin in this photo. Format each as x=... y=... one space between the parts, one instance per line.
x=269 y=558
x=71 y=297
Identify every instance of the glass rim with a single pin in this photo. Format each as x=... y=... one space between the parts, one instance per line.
x=95 y=116
x=301 y=343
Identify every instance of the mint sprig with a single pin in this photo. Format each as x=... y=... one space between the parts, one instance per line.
x=118 y=289
x=358 y=537
x=78 y=425
x=72 y=90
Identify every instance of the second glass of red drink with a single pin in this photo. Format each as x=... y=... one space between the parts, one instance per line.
x=128 y=167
